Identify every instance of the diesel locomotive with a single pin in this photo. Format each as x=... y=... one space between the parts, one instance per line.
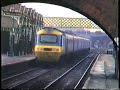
x=51 y=44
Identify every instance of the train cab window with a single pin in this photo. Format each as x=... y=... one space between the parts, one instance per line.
x=48 y=38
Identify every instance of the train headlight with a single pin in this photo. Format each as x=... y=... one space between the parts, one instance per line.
x=39 y=49
x=55 y=49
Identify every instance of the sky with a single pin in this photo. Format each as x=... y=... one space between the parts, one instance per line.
x=50 y=10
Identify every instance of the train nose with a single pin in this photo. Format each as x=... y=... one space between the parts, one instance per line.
x=51 y=49
x=48 y=53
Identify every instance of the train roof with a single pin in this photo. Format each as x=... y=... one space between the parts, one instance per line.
x=64 y=33
x=49 y=30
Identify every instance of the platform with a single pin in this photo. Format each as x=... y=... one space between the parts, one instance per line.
x=5 y=60
x=102 y=75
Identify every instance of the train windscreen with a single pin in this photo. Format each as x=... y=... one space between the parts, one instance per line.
x=48 y=38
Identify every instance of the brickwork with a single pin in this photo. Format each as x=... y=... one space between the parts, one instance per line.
x=103 y=12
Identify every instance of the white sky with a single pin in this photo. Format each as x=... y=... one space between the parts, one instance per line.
x=50 y=10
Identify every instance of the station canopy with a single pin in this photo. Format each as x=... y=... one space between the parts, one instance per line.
x=69 y=22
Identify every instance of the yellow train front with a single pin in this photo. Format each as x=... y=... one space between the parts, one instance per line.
x=48 y=45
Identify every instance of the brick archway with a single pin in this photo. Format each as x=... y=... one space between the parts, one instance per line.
x=103 y=12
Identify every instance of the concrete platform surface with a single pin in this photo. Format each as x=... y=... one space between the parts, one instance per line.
x=5 y=60
x=102 y=75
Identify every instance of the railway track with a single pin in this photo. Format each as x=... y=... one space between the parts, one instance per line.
x=66 y=80
x=38 y=78
x=21 y=78
x=7 y=78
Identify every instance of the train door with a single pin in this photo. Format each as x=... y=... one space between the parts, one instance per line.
x=5 y=41
x=63 y=43
x=73 y=44
x=66 y=44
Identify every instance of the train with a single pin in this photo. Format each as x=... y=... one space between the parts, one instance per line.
x=51 y=44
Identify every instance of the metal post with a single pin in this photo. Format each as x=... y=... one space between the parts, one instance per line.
x=33 y=32
x=24 y=28
x=116 y=48
x=25 y=36
x=21 y=34
x=11 y=41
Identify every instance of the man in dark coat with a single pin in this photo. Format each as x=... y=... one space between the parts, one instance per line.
x=20 y=45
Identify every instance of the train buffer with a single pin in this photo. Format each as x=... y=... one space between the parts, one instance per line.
x=6 y=60
x=102 y=75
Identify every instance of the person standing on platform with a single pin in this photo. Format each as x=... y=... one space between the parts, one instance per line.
x=16 y=48
x=27 y=44
x=24 y=45
x=20 y=45
x=30 y=47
